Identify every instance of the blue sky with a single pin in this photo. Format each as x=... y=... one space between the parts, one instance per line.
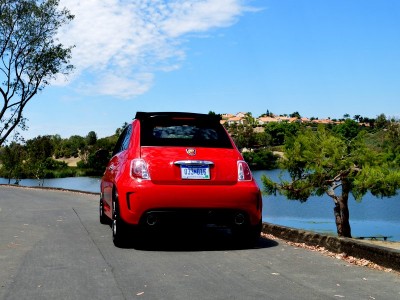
x=320 y=58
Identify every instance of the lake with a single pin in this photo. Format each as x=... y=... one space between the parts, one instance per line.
x=86 y=184
x=371 y=217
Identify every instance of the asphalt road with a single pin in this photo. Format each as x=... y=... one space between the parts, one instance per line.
x=52 y=246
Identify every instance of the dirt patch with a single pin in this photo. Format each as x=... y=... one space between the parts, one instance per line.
x=278 y=153
x=71 y=162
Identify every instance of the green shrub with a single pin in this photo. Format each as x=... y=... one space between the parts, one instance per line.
x=261 y=159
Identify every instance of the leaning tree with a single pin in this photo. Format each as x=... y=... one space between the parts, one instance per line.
x=320 y=162
x=31 y=55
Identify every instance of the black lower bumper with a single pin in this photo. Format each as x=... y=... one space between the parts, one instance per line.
x=192 y=217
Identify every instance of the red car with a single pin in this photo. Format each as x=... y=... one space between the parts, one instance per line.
x=181 y=169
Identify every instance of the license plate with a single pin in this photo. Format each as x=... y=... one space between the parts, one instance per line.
x=195 y=172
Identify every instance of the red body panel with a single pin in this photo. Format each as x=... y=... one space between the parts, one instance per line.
x=144 y=196
x=163 y=170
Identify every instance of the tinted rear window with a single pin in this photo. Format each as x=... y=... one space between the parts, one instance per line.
x=183 y=132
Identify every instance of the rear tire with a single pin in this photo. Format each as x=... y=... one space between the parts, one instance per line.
x=118 y=226
x=103 y=218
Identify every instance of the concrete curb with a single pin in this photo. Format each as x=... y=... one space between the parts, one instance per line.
x=383 y=256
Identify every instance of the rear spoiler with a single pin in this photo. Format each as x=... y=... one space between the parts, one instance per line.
x=179 y=115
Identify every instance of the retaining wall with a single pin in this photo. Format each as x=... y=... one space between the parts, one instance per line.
x=386 y=257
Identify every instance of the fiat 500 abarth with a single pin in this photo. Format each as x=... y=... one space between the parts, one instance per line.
x=178 y=169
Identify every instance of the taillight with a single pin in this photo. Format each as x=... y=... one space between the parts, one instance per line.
x=244 y=173
x=139 y=169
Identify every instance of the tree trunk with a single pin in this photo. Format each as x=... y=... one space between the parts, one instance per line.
x=341 y=211
x=338 y=219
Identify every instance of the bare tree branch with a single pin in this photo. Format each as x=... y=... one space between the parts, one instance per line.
x=29 y=55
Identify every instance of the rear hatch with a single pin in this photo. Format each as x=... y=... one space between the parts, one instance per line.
x=209 y=166
x=187 y=148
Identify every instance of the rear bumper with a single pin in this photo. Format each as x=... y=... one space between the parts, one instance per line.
x=220 y=205
x=216 y=217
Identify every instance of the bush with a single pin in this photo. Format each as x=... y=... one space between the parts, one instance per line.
x=68 y=172
x=262 y=159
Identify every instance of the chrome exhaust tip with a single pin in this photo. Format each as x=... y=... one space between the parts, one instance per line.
x=151 y=219
x=239 y=219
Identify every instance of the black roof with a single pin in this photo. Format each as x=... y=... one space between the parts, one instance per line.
x=150 y=115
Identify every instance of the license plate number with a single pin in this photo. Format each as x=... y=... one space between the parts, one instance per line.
x=195 y=172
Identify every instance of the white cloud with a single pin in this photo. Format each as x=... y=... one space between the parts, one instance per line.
x=196 y=16
x=121 y=43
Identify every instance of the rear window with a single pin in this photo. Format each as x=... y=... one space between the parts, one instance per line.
x=183 y=132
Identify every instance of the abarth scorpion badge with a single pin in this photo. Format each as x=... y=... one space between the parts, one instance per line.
x=191 y=151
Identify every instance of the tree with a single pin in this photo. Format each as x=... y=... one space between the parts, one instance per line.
x=320 y=162
x=76 y=144
x=278 y=131
x=392 y=142
x=96 y=162
x=119 y=130
x=263 y=139
x=349 y=129
x=12 y=157
x=262 y=159
x=244 y=136
x=296 y=114
x=249 y=119
x=357 y=118
x=40 y=150
x=91 y=138
x=381 y=121
x=56 y=142
x=30 y=55
x=267 y=114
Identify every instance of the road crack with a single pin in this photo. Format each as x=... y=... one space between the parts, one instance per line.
x=109 y=266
